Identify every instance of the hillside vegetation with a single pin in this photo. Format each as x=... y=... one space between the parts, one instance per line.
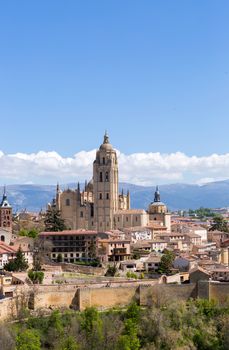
x=193 y=325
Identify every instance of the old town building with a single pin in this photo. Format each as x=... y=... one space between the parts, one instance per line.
x=100 y=206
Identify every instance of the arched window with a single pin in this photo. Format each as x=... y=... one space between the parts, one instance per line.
x=2 y=238
x=107 y=196
x=101 y=177
x=67 y=202
x=106 y=176
x=104 y=161
x=100 y=196
x=81 y=214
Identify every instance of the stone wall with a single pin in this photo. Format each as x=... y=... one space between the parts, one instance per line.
x=161 y=293
x=219 y=292
x=107 y=297
x=8 y=309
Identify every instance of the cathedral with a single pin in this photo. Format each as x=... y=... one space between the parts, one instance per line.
x=100 y=206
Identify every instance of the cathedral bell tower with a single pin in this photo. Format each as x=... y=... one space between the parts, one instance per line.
x=105 y=179
x=5 y=213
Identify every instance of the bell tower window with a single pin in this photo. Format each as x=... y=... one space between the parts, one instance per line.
x=67 y=202
x=104 y=161
x=100 y=177
x=106 y=176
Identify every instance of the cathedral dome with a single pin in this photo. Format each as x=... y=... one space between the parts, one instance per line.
x=106 y=146
x=157 y=206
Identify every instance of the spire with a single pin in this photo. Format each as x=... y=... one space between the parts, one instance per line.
x=57 y=188
x=106 y=137
x=85 y=186
x=78 y=187
x=157 y=196
x=5 y=202
x=122 y=192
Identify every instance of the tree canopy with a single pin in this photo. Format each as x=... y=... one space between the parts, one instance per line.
x=219 y=224
x=17 y=264
x=53 y=221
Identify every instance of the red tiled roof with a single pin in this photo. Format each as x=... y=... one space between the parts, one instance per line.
x=4 y=249
x=68 y=232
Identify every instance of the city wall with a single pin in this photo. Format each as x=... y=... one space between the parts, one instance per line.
x=109 y=296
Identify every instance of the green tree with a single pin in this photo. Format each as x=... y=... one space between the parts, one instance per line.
x=68 y=343
x=28 y=340
x=28 y=233
x=18 y=264
x=59 y=258
x=219 y=224
x=166 y=262
x=112 y=270
x=36 y=277
x=91 y=326
x=53 y=221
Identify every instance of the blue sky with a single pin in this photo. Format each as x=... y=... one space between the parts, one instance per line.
x=155 y=74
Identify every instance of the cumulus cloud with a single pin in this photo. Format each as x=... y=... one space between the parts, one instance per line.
x=138 y=168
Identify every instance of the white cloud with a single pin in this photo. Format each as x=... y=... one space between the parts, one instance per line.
x=138 y=168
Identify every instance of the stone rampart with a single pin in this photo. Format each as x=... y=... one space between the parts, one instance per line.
x=104 y=296
x=219 y=292
x=161 y=293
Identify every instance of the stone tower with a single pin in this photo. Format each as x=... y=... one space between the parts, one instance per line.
x=105 y=180
x=5 y=213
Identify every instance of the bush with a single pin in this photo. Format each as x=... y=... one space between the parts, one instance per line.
x=36 y=277
x=28 y=340
x=130 y=274
x=18 y=264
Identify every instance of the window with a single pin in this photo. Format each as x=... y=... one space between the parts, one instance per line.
x=100 y=196
x=106 y=176
x=107 y=196
x=67 y=202
x=104 y=161
x=126 y=218
x=118 y=218
x=136 y=218
x=81 y=214
x=101 y=177
x=2 y=238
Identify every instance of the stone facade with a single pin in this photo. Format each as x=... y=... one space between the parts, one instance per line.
x=100 y=207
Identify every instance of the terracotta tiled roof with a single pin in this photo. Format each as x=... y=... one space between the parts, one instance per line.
x=69 y=232
x=4 y=249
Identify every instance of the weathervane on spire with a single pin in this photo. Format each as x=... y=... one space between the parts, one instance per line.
x=106 y=137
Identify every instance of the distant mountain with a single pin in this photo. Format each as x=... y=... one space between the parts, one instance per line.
x=176 y=196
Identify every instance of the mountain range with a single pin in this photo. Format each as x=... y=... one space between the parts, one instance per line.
x=175 y=196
